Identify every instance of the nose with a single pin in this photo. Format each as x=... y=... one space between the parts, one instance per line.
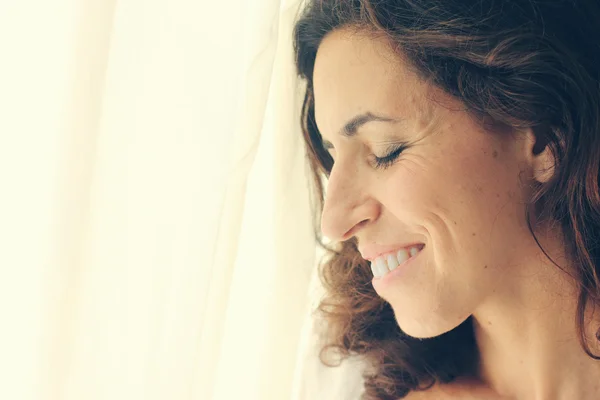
x=348 y=205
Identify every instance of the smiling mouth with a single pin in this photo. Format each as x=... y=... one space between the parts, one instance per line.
x=385 y=264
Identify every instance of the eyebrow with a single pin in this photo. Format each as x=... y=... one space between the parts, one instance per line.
x=350 y=129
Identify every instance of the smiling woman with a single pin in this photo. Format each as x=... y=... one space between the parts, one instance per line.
x=460 y=142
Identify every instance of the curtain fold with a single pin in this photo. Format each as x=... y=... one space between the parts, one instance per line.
x=155 y=228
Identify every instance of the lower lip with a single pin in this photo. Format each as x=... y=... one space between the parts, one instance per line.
x=396 y=273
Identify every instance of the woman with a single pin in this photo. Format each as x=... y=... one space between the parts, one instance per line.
x=461 y=140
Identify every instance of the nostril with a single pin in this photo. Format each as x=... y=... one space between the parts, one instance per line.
x=351 y=232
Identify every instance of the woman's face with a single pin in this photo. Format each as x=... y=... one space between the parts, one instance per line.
x=456 y=188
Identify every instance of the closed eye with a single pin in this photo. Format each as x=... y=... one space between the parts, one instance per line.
x=390 y=158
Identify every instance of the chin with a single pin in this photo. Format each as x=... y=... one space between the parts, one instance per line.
x=425 y=326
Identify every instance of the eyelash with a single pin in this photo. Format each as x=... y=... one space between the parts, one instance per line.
x=387 y=161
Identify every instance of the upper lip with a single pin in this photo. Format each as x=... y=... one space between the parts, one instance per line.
x=372 y=251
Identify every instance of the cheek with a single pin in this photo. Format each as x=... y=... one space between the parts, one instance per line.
x=479 y=203
x=412 y=197
x=474 y=201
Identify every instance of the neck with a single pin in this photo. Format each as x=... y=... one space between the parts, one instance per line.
x=527 y=336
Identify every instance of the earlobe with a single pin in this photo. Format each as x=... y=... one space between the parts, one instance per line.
x=542 y=160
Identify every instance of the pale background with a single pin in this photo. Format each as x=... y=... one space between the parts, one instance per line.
x=155 y=224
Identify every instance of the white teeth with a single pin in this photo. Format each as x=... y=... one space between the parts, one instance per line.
x=382 y=265
x=380 y=268
x=392 y=262
x=375 y=270
x=402 y=255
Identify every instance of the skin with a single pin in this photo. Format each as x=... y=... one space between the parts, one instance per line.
x=462 y=191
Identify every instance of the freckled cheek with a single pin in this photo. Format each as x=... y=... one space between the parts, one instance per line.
x=451 y=192
x=481 y=199
x=454 y=189
x=408 y=197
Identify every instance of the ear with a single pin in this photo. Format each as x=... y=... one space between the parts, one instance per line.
x=539 y=156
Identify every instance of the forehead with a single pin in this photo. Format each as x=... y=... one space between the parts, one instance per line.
x=356 y=73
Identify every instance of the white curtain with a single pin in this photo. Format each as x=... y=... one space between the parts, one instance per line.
x=155 y=222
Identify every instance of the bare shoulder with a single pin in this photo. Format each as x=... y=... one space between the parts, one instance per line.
x=461 y=389
x=436 y=392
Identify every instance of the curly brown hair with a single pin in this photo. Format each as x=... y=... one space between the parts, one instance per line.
x=521 y=63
